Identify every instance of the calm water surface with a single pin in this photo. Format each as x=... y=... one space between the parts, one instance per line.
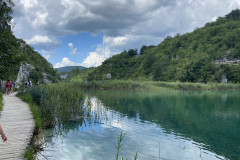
x=169 y=125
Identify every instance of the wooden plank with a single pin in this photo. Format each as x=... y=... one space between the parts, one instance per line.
x=18 y=124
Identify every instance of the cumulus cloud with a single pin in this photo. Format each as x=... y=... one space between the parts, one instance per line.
x=73 y=50
x=66 y=62
x=115 y=18
x=43 y=42
x=96 y=58
x=39 y=39
x=125 y=24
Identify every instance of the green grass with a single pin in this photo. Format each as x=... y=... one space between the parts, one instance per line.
x=197 y=86
x=150 y=85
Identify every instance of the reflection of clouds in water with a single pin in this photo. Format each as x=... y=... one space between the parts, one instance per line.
x=116 y=124
x=97 y=142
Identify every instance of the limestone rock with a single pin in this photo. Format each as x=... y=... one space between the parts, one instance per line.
x=224 y=79
x=109 y=76
x=45 y=78
x=24 y=72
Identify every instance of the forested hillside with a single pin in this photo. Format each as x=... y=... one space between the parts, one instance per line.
x=68 y=68
x=14 y=51
x=205 y=55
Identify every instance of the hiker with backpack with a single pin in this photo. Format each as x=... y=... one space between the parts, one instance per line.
x=7 y=85
x=12 y=87
x=28 y=83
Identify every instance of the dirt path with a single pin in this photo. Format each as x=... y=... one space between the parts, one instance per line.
x=18 y=124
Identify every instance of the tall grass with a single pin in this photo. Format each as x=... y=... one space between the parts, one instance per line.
x=106 y=85
x=119 y=147
x=152 y=85
x=54 y=103
x=197 y=86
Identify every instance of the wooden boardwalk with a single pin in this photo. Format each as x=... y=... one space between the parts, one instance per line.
x=18 y=124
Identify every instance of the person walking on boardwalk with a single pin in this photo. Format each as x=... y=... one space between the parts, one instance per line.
x=8 y=83
x=12 y=87
x=4 y=137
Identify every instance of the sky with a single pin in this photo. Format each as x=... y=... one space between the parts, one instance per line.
x=86 y=32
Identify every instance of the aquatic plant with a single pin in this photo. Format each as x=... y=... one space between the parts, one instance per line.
x=150 y=85
x=119 y=147
x=54 y=103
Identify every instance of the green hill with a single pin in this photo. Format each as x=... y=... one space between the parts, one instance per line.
x=14 y=52
x=69 y=68
x=208 y=54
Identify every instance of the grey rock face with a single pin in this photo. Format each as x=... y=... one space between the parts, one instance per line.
x=2 y=85
x=45 y=78
x=64 y=76
x=109 y=76
x=24 y=72
x=224 y=79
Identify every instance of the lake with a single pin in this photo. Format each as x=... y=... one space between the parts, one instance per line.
x=166 y=125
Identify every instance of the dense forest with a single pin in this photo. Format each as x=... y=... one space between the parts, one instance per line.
x=207 y=54
x=14 y=51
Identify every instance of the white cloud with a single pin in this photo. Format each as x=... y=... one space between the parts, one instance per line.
x=73 y=50
x=39 y=39
x=124 y=24
x=66 y=62
x=40 y=19
x=29 y=4
x=43 y=42
x=115 y=41
x=96 y=58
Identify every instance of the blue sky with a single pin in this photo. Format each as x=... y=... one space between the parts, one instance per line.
x=75 y=47
x=82 y=32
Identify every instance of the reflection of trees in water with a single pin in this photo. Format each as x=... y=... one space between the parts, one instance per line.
x=65 y=112
x=210 y=118
x=91 y=112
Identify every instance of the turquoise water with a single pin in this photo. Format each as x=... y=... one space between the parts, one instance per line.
x=169 y=125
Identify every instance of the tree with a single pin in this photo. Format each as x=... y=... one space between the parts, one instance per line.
x=234 y=15
x=75 y=71
x=5 y=38
x=5 y=13
x=144 y=48
x=132 y=52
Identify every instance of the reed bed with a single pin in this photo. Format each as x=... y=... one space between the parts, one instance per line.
x=53 y=104
x=151 y=85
